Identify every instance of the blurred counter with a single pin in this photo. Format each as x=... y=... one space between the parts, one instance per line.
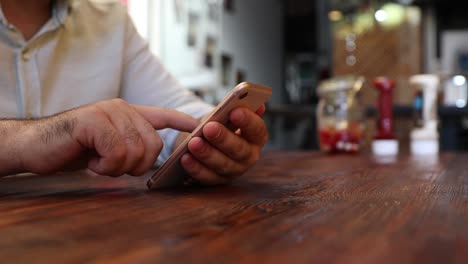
x=294 y=126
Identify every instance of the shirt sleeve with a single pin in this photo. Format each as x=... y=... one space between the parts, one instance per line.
x=145 y=81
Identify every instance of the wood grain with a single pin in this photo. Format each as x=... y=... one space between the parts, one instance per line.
x=292 y=207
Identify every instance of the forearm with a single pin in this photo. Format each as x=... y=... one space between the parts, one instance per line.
x=24 y=143
x=11 y=144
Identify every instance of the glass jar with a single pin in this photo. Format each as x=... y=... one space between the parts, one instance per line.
x=340 y=115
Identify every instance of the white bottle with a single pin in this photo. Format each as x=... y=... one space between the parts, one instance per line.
x=424 y=137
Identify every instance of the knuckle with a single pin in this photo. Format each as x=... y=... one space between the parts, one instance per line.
x=195 y=170
x=150 y=138
x=239 y=147
x=260 y=130
x=132 y=136
x=225 y=167
x=239 y=151
x=109 y=140
x=119 y=153
x=139 y=151
x=245 y=151
x=119 y=102
x=97 y=112
x=158 y=144
x=148 y=127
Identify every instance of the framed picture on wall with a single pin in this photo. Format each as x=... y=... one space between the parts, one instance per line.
x=210 y=50
x=193 y=28
x=240 y=76
x=214 y=11
x=226 y=69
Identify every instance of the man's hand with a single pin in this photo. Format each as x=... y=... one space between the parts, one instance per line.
x=109 y=138
x=222 y=154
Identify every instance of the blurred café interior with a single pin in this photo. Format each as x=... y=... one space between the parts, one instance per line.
x=308 y=50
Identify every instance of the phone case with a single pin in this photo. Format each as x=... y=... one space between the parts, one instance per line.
x=247 y=95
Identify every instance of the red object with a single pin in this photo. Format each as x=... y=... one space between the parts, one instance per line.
x=341 y=141
x=385 y=107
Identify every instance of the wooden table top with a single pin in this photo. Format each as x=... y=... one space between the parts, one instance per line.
x=292 y=207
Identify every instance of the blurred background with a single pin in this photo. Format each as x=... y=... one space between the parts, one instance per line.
x=293 y=45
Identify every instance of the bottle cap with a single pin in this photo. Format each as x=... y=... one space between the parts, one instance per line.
x=424 y=147
x=385 y=147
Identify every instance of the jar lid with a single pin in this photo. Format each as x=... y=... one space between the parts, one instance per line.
x=341 y=83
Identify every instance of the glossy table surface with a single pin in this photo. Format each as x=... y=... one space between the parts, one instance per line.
x=292 y=207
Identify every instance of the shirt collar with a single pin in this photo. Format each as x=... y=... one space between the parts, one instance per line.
x=2 y=16
x=61 y=10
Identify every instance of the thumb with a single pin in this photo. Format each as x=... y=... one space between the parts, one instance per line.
x=161 y=118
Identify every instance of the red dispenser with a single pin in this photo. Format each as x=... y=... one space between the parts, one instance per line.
x=385 y=142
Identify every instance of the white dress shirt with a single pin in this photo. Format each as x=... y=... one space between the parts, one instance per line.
x=88 y=51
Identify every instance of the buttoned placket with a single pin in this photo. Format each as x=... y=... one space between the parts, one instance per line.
x=28 y=82
x=27 y=86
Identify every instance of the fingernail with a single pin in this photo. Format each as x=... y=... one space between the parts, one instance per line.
x=198 y=144
x=214 y=132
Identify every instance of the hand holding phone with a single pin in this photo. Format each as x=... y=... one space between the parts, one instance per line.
x=244 y=95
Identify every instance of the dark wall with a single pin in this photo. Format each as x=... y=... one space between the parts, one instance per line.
x=450 y=15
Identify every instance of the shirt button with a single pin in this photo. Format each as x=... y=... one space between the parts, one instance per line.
x=26 y=55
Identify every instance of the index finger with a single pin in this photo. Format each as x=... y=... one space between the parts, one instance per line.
x=161 y=118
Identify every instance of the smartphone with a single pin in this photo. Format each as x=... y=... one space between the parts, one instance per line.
x=246 y=95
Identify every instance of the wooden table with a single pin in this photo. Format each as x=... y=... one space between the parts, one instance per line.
x=291 y=208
